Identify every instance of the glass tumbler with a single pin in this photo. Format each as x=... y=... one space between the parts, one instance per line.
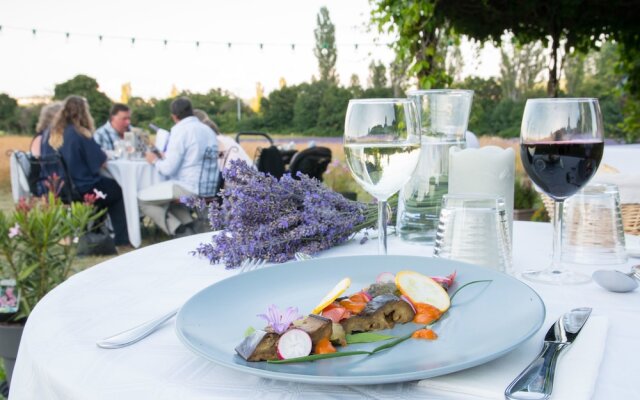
x=593 y=231
x=474 y=228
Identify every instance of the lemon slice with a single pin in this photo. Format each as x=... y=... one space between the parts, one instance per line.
x=422 y=289
x=332 y=295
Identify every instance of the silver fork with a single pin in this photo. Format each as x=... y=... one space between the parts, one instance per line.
x=251 y=264
x=135 y=334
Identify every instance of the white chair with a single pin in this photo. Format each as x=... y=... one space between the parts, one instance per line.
x=19 y=166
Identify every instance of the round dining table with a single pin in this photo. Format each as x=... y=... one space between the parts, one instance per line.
x=58 y=357
x=133 y=176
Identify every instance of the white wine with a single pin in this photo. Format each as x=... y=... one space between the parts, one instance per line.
x=382 y=169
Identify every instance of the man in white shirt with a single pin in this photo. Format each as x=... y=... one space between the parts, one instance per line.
x=182 y=165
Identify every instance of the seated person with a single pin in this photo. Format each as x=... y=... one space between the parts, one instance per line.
x=113 y=130
x=228 y=148
x=44 y=121
x=70 y=137
x=182 y=165
x=36 y=177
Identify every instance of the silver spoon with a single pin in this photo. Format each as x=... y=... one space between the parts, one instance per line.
x=617 y=281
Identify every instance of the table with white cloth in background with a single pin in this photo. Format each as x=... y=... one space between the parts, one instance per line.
x=132 y=176
x=58 y=357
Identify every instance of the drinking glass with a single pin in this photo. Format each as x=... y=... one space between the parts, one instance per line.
x=561 y=145
x=593 y=232
x=382 y=148
x=474 y=228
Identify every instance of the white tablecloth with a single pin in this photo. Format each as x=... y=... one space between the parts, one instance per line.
x=58 y=358
x=133 y=176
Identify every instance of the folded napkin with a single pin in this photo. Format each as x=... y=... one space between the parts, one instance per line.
x=576 y=371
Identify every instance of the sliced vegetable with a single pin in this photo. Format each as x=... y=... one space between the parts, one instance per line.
x=427 y=334
x=422 y=289
x=447 y=281
x=332 y=295
x=336 y=314
x=426 y=314
x=324 y=346
x=294 y=343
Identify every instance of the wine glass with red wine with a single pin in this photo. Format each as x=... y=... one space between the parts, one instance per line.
x=561 y=145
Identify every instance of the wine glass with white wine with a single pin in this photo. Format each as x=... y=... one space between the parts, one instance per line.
x=382 y=148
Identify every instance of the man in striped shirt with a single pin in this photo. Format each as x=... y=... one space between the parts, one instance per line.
x=113 y=131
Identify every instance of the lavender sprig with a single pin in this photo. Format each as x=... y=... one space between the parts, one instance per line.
x=268 y=218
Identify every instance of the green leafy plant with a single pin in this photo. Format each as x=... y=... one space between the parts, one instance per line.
x=38 y=243
x=524 y=197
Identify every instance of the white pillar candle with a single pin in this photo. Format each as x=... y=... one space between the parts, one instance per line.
x=487 y=170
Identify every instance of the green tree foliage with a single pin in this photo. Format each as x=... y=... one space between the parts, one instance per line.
x=8 y=110
x=377 y=75
x=566 y=23
x=278 y=109
x=333 y=110
x=520 y=67
x=325 y=50
x=307 y=106
x=87 y=87
x=418 y=30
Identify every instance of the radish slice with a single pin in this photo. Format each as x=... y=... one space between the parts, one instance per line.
x=367 y=295
x=385 y=277
x=294 y=343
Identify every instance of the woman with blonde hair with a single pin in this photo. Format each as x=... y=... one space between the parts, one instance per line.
x=71 y=137
x=47 y=113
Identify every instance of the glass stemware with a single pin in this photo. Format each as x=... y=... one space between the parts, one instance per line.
x=561 y=145
x=382 y=148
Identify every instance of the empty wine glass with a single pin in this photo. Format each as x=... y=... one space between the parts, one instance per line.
x=382 y=148
x=561 y=145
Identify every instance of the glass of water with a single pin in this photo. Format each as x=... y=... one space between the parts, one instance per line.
x=382 y=147
x=474 y=228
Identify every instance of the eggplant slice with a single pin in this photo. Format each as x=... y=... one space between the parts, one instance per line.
x=382 y=312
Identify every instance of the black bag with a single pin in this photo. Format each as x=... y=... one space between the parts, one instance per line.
x=97 y=242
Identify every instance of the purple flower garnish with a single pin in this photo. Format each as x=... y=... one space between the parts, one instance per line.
x=280 y=321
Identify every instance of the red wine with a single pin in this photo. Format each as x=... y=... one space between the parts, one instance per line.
x=560 y=169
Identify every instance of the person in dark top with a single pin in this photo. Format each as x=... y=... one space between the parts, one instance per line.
x=71 y=136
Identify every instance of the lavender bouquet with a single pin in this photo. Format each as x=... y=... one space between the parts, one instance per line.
x=272 y=219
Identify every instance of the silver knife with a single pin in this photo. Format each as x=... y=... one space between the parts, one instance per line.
x=536 y=381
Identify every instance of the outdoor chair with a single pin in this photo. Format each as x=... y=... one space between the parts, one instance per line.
x=312 y=162
x=209 y=185
x=269 y=160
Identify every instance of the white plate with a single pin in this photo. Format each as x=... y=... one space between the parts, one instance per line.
x=485 y=321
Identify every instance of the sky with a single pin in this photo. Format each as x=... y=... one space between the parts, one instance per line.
x=31 y=64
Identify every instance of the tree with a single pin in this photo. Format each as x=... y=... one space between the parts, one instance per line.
x=8 y=109
x=333 y=110
x=326 y=51
x=278 y=108
x=520 y=66
x=307 y=105
x=560 y=24
x=418 y=31
x=377 y=75
x=87 y=87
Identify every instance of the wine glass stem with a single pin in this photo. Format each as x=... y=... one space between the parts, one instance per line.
x=556 y=261
x=382 y=227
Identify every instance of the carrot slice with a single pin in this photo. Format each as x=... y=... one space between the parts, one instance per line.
x=426 y=313
x=324 y=346
x=427 y=334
